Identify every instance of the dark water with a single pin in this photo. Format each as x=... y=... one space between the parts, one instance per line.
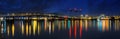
x=61 y=29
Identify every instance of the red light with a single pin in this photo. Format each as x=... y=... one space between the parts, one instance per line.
x=75 y=30
x=80 y=31
x=65 y=16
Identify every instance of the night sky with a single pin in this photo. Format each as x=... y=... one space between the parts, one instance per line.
x=92 y=7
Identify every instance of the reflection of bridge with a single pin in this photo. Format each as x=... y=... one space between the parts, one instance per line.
x=5 y=18
x=39 y=16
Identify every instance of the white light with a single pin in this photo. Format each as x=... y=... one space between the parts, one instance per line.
x=86 y=15
x=1 y=30
x=2 y=25
x=1 y=18
x=81 y=15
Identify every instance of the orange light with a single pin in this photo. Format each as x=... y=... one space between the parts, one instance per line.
x=80 y=28
x=107 y=25
x=45 y=24
x=27 y=29
x=103 y=25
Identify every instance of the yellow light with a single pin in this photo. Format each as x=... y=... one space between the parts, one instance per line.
x=22 y=28
x=81 y=23
x=8 y=32
x=13 y=29
x=34 y=18
x=39 y=28
x=86 y=24
x=34 y=26
x=89 y=18
x=59 y=25
x=27 y=29
x=107 y=24
x=53 y=27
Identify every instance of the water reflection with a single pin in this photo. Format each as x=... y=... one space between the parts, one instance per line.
x=26 y=29
x=59 y=25
x=8 y=30
x=34 y=23
x=86 y=25
x=74 y=28
x=39 y=28
x=22 y=28
x=49 y=27
x=117 y=25
x=13 y=29
x=29 y=29
x=81 y=28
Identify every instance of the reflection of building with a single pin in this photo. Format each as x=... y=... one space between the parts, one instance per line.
x=117 y=25
x=0 y=27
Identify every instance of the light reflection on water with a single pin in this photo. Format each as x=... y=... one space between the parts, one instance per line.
x=73 y=28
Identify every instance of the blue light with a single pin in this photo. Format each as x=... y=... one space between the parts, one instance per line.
x=42 y=24
x=4 y=26
x=69 y=24
x=100 y=25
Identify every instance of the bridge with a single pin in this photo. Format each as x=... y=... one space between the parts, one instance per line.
x=41 y=16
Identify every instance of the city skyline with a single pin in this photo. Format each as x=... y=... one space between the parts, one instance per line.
x=59 y=19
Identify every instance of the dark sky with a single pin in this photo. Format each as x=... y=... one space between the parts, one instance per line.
x=88 y=6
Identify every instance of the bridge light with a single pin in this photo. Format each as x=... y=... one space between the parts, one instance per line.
x=86 y=15
x=65 y=16
x=1 y=18
x=81 y=15
x=13 y=14
x=102 y=15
